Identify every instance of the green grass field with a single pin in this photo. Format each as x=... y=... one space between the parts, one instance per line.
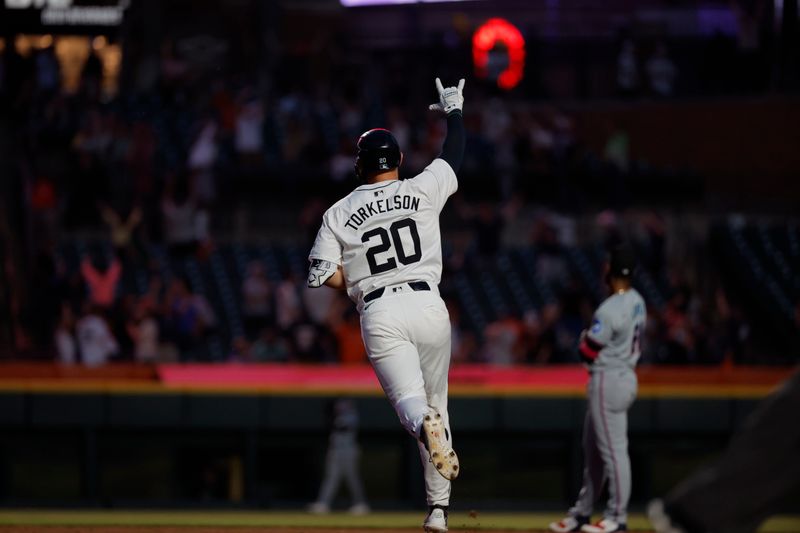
x=277 y=519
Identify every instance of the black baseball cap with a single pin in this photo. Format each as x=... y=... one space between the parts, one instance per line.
x=621 y=262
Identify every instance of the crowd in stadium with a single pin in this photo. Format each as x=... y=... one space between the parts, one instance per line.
x=154 y=167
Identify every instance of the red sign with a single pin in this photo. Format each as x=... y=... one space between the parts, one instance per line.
x=499 y=31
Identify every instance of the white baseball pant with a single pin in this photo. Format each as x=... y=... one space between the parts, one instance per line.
x=407 y=337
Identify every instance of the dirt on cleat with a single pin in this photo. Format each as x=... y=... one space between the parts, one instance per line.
x=442 y=455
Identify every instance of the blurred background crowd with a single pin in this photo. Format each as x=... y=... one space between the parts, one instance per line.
x=162 y=182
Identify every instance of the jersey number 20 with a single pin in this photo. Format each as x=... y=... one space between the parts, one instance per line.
x=385 y=243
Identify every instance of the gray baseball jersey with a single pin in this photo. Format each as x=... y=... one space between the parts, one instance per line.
x=616 y=331
x=618 y=326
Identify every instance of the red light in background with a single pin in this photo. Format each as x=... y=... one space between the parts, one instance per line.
x=484 y=40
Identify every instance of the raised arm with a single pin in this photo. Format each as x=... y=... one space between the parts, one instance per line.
x=451 y=102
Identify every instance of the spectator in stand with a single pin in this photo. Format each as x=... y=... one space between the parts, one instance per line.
x=122 y=231
x=531 y=338
x=270 y=347
x=487 y=223
x=240 y=350
x=540 y=339
x=311 y=343
x=101 y=278
x=502 y=340
x=679 y=336
x=341 y=164
x=288 y=306
x=257 y=303
x=47 y=70
x=321 y=303
x=551 y=267
x=575 y=310
x=64 y=338
x=143 y=328
x=179 y=211
x=628 y=79
x=617 y=149
x=140 y=160
x=70 y=288
x=202 y=158
x=95 y=339
x=249 y=127
x=190 y=318
x=44 y=208
x=153 y=298
x=661 y=71
x=463 y=343
x=256 y=300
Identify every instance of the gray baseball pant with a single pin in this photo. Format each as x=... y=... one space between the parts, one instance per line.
x=342 y=462
x=610 y=394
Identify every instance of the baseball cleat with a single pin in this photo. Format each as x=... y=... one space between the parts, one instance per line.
x=359 y=509
x=434 y=437
x=436 y=522
x=319 y=508
x=605 y=525
x=569 y=524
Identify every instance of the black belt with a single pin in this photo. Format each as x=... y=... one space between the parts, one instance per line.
x=415 y=286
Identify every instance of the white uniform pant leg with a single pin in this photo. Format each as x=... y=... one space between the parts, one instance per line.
x=594 y=475
x=611 y=394
x=433 y=342
x=395 y=359
x=408 y=343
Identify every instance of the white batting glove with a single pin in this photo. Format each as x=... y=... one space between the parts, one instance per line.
x=450 y=99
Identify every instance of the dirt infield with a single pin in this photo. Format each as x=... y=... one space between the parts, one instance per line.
x=186 y=529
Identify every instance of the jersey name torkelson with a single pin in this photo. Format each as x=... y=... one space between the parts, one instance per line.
x=383 y=205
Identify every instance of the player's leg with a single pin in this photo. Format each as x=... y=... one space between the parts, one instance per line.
x=432 y=338
x=749 y=482
x=395 y=360
x=350 y=456
x=330 y=482
x=616 y=390
x=594 y=474
x=431 y=334
x=593 y=479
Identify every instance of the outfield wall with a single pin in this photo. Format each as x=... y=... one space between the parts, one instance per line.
x=181 y=440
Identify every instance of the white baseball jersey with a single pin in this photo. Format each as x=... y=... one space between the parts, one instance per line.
x=618 y=326
x=388 y=232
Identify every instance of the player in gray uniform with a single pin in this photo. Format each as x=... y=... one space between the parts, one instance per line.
x=611 y=348
x=382 y=243
x=341 y=461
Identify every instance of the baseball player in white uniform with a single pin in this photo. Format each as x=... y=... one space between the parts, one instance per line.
x=382 y=243
x=611 y=348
